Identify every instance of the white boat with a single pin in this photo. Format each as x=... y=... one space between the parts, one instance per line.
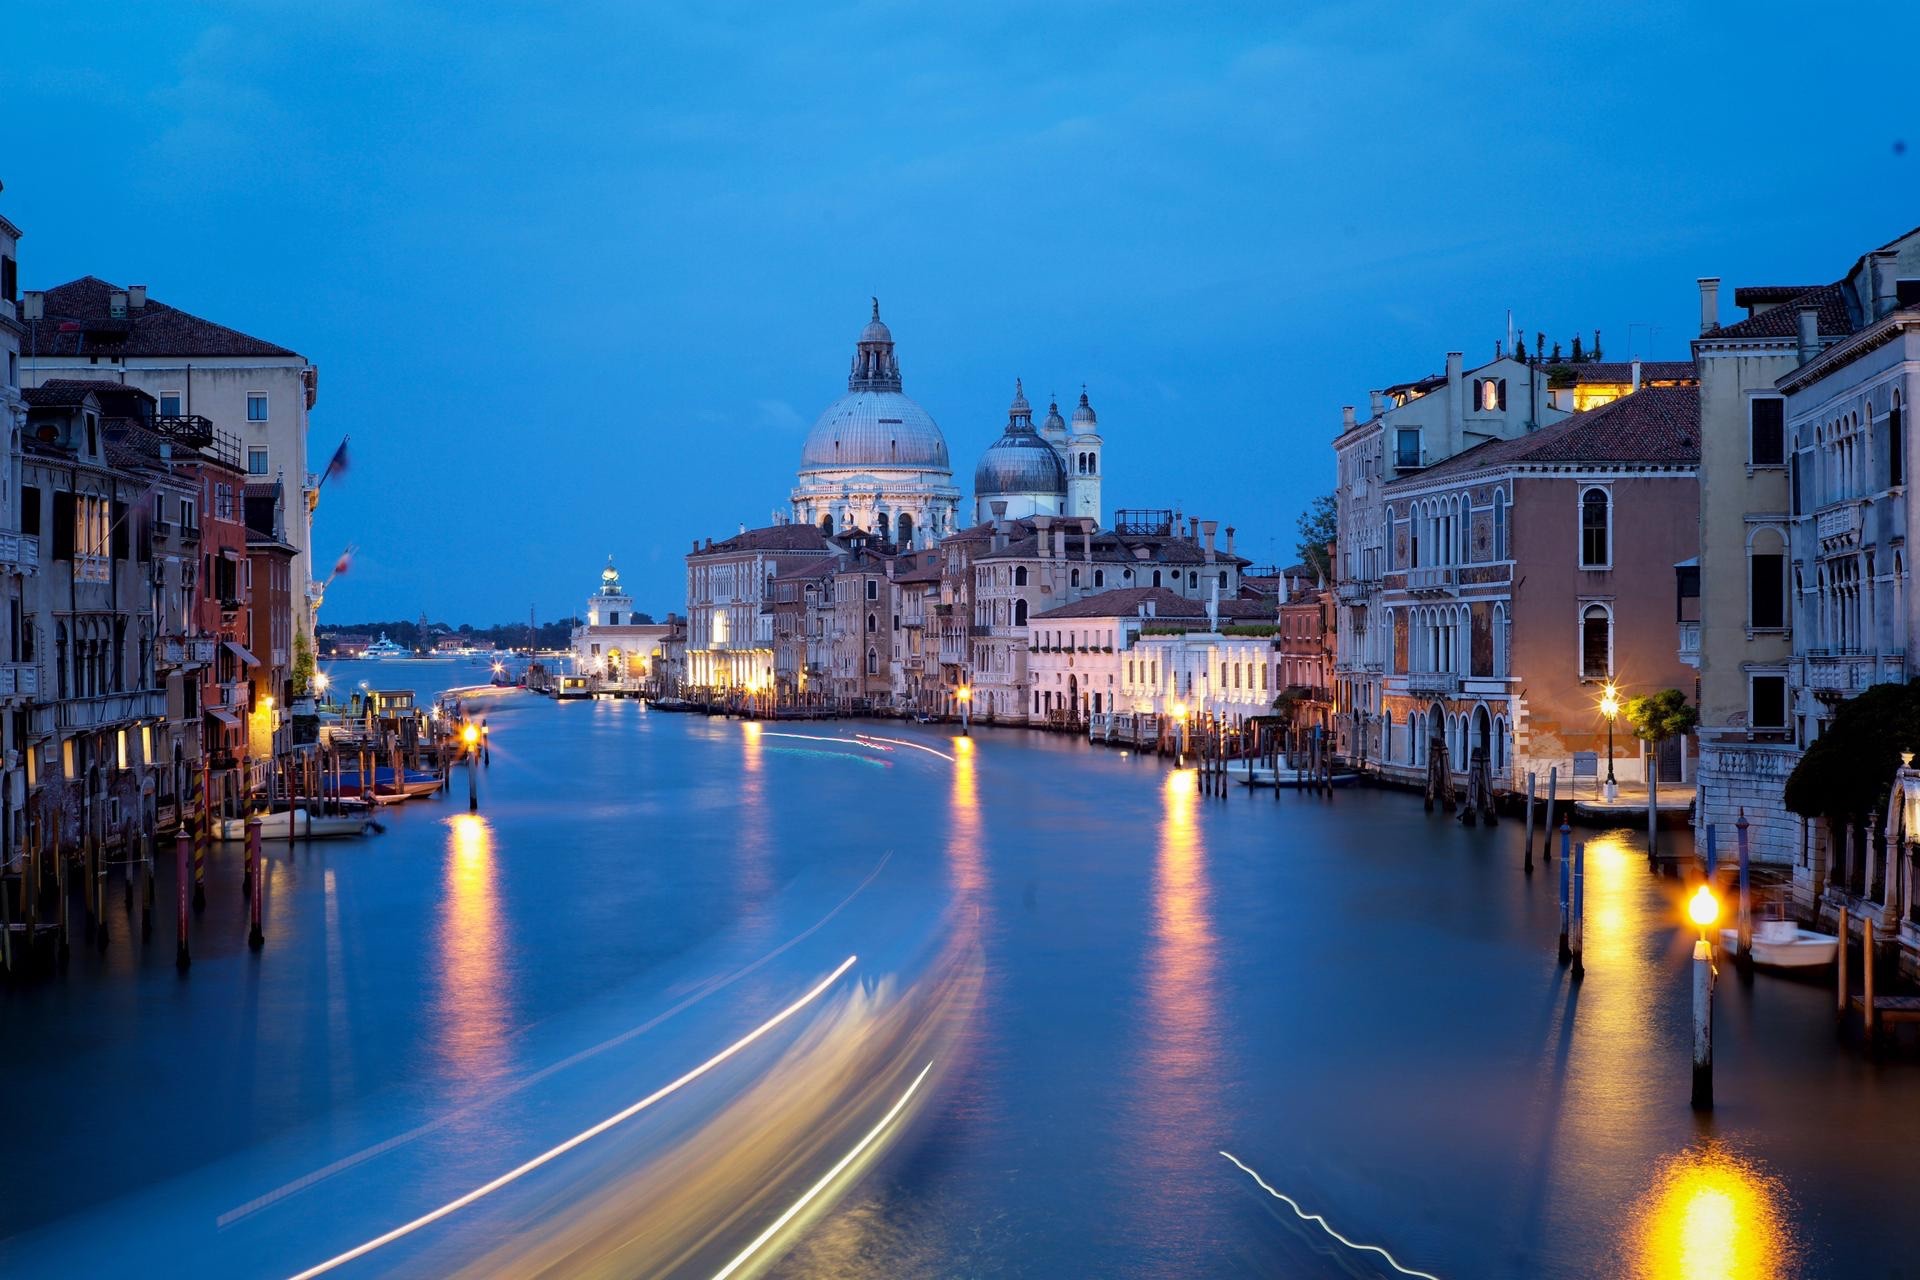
x=1783 y=944
x=385 y=648
x=572 y=687
x=1285 y=778
x=306 y=826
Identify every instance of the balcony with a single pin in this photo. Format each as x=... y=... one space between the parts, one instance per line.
x=1690 y=644
x=19 y=553
x=1356 y=590
x=1838 y=525
x=1833 y=675
x=1432 y=580
x=183 y=651
x=189 y=429
x=106 y=710
x=1433 y=684
x=19 y=680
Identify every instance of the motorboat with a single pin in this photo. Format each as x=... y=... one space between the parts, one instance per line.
x=385 y=648
x=1785 y=944
x=1285 y=778
x=412 y=782
x=572 y=687
x=305 y=825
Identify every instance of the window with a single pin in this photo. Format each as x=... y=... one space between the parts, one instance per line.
x=1767 y=590
x=873 y=588
x=1768 y=700
x=873 y=662
x=170 y=404
x=1896 y=455
x=873 y=623
x=1596 y=642
x=1020 y=575
x=257 y=462
x=1767 y=420
x=1019 y=613
x=1499 y=526
x=1906 y=293
x=30 y=510
x=1407 y=448
x=1074 y=578
x=1595 y=540
x=1099 y=577
x=1491 y=393
x=256 y=406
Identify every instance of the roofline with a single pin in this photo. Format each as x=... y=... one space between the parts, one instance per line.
x=1851 y=348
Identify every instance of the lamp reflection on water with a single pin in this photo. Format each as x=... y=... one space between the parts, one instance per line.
x=470 y=1011
x=963 y=844
x=1711 y=1216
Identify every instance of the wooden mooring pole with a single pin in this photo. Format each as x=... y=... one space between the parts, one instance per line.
x=1566 y=951
x=257 y=883
x=1531 y=776
x=1553 y=786
x=1702 y=1025
x=183 y=853
x=1743 y=922
x=1578 y=929
x=1840 y=975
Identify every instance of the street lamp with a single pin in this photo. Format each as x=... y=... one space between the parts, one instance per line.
x=965 y=694
x=470 y=735
x=1703 y=908
x=1610 y=708
x=1179 y=710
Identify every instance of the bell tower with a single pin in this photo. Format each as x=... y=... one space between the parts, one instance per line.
x=1083 y=461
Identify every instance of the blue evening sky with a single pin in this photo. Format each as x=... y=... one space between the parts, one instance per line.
x=579 y=276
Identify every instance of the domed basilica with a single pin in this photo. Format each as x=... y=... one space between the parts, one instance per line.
x=875 y=460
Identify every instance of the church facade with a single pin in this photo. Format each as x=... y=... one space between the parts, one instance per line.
x=613 y=644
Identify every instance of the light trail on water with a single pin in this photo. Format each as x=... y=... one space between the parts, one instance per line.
x=554 y=1153
x=814 y=1191
x=1324 y=1225
x=712 y=987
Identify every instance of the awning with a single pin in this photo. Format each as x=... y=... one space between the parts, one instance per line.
x=240 y=651
x=224 y=716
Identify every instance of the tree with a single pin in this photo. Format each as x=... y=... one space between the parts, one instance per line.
x=1845 y=774
x=1655 y=718
x=302 y=664
x=1318 y=525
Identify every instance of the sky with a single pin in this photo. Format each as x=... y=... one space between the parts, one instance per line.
x=579 y=277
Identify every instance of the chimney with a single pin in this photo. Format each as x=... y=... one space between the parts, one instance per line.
x=743 y=526
x=1060 y=542
x=1086 y=541
x=1809 y=333
x=117 y=304
x=1378 y=399
x=1456 y=399
x=1709 y=303
x=1346 y=417
x=1886 y=288
x=1207 y=527
x=1636 y=375
x=137 y=297
x=1229 y=540
x=1040 y=525
x=1152 y=608
x=1596 y=344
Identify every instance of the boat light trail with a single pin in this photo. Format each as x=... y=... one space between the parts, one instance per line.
x=711 y=987
x=554 y=1153
x=1323 y=1224
x=917 y=746
x=812 y=1192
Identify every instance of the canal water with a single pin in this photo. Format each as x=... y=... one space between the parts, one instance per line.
x=694 y=996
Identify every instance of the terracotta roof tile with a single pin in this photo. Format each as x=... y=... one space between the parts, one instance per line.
x=1783 y=321
x=78 y=322
x=1125 y=603
x=1655 y=425
x=775 y=537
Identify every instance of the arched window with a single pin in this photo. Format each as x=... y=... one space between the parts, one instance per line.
x=1156 y=577
x=826 y=524
x=872 y=623
x=1073 y=578
x=1499 y=525
x=1596 y=534
x=906 y=529
x=1093 y=464
x=1099 y=577
x=1193 y=578
x=882 y=527
x=873 y=662
x=1596 y=642
x=1019 y=613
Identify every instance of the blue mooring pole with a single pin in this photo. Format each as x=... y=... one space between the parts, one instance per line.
x=1579 y=908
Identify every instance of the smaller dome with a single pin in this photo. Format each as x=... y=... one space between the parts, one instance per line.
x=1083 y=412
x=1054 y=421
x=1019 y=462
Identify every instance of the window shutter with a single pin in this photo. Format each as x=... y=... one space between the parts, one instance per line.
x=30 y=509
x=122 y=543
x=1769 y=420
x=1500 y=389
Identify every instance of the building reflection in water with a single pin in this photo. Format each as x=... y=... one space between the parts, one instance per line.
x=470 y=1011
x=752 y=852
x=1180 y=1067
x=963 y=841
x=1711 y=1216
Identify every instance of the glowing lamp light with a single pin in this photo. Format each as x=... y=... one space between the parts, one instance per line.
x=963 y=693
x=470 y=735
x=321 y=680
x=1703 y=908
x=1609 y=701
x=498 y=667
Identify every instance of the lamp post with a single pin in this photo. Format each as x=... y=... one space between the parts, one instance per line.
x=470 y=736
x=1180 y=714
x=1610 y=708
x=965 y=694
x=1703 y=909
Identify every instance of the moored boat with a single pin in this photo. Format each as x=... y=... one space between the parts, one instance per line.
x=1785 y=945
x=305 y=826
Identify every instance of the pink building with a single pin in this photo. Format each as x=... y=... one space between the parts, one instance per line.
x=1524 y=575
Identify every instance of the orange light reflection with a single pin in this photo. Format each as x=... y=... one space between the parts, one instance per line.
x=1711 y=1216
x=470 y=1009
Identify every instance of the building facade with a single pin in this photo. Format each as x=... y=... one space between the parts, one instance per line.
x=729 y=599
x=614 y=645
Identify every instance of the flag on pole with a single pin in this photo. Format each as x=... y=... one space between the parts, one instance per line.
x=345 y=562
x=338 y=466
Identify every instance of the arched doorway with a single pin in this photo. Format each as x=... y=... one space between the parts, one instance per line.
x=1483 y=732
x=1073 y=696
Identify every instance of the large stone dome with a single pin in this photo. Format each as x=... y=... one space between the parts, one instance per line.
x=874 y=425
x=865 y=429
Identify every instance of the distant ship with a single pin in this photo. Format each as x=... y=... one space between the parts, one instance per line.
x=385 y=648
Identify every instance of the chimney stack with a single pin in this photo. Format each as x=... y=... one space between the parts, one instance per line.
x=137 y=297
x=1229 y=539
x=1060 y=542
x=1456 y=400
x=1346 y=417
x=1809 y=333
x=1709 y=303
x=1040 y=526
x=1207 y=527
x=1193 y=528
x=1636 y=375
x=1886 y=288
x=1378 y=400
